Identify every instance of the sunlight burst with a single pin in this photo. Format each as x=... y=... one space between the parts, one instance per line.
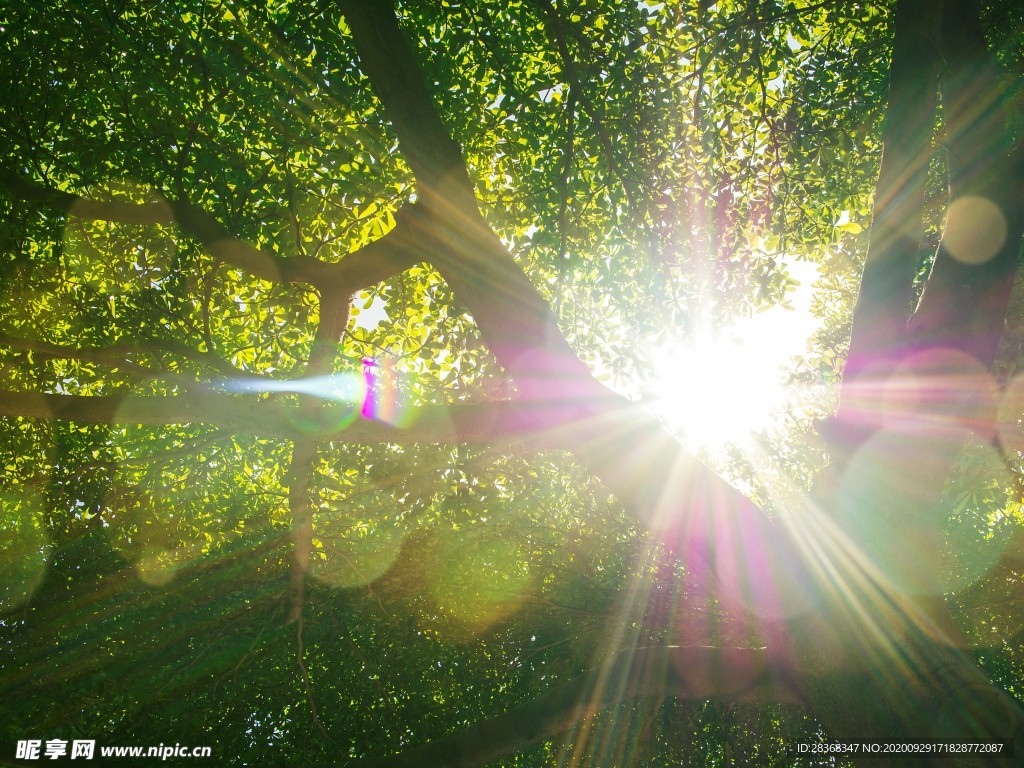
x=721 y=387
x=718 y=390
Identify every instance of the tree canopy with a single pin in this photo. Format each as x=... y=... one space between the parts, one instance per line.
x=336 y=397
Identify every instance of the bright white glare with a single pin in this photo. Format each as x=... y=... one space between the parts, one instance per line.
x=369 y=318
x=727 y=384
x=347 y=387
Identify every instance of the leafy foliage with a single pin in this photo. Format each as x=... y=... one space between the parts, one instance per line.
x=653 y=167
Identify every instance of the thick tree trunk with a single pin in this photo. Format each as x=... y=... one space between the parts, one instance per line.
x=886 y=293
x=905 y=671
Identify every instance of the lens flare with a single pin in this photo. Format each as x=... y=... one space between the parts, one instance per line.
x=384 y=400
x=355 y=558
x=23 y=544
x=346 y=387
x=975 y=230
x=979 y=529
x=479 y=581
x=376 y=392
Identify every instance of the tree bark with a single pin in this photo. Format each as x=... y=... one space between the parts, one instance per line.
x=904 y=670
x=884 y=302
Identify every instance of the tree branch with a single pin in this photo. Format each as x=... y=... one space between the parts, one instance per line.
x=301 y=490
x=367 y=266
x=965 y=297
x=555 y=24
x=192 y=220
x=247 y=414
x=941 y=690
x=379 y=260
x=516 y=322
x=388 y=59
x=68 y=204
x=121 y=354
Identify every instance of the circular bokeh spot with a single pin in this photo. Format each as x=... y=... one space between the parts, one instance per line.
x=978 y=530
x=479 y=581
x=942 y=391
x=975 y=229
x=23 y=547
x=147 y=531
x=357 y=556
x=158 y=567
x=889 y=513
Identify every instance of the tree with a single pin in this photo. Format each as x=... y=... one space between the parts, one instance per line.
x=279 y=518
